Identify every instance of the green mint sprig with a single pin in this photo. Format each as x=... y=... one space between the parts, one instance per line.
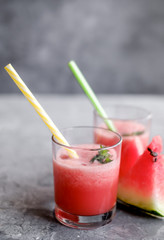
x=102 y=157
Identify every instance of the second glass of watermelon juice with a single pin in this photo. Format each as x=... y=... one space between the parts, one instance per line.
x=86 y=187
x=133 y=124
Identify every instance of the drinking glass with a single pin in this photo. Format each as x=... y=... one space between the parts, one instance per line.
x=133 y=124
x=86 y=187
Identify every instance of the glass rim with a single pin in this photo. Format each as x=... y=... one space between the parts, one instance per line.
x=88 y=149
x=147 y=115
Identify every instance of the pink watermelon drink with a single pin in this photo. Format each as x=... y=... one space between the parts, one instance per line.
x=86 y=187
x=81 y=187
x=133 y=124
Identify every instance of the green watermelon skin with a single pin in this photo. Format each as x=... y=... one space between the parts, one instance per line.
x=143 y=187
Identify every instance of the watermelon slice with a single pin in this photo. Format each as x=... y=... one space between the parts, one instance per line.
x=143 y=186
x=132 y=148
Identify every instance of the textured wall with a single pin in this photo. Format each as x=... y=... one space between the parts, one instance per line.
x=118 y=44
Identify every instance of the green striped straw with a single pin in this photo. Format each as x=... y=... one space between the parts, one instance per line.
x=89 y=92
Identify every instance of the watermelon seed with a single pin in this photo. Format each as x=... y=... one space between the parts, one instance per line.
x=152 y=153
x=155 y=159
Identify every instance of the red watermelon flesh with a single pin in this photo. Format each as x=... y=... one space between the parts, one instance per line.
x=143 y=186
x=132 y=148
x=132 y=145
x=156 y=144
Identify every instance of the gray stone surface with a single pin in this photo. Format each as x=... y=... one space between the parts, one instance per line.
x=26 y=178
x=118 y=44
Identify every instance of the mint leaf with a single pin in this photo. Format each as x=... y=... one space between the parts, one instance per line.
x=102 y=157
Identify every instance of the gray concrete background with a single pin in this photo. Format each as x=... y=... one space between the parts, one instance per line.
x=118 y=44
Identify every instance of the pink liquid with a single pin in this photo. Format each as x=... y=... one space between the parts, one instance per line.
x=85 y=188
x=132 y=146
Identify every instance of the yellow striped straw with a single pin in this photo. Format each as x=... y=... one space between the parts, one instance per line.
x=44 y=116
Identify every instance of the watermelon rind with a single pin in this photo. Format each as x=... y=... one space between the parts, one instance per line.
x=149 y=204
x=152 y=213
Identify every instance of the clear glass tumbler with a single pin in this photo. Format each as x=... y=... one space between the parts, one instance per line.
x=133 y=124
x=86 y=187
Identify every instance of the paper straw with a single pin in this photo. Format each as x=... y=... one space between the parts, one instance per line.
x=89 y=92
x=44 y=116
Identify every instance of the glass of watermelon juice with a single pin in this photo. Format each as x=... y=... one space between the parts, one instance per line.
x=133 y=124
x=86 y=187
